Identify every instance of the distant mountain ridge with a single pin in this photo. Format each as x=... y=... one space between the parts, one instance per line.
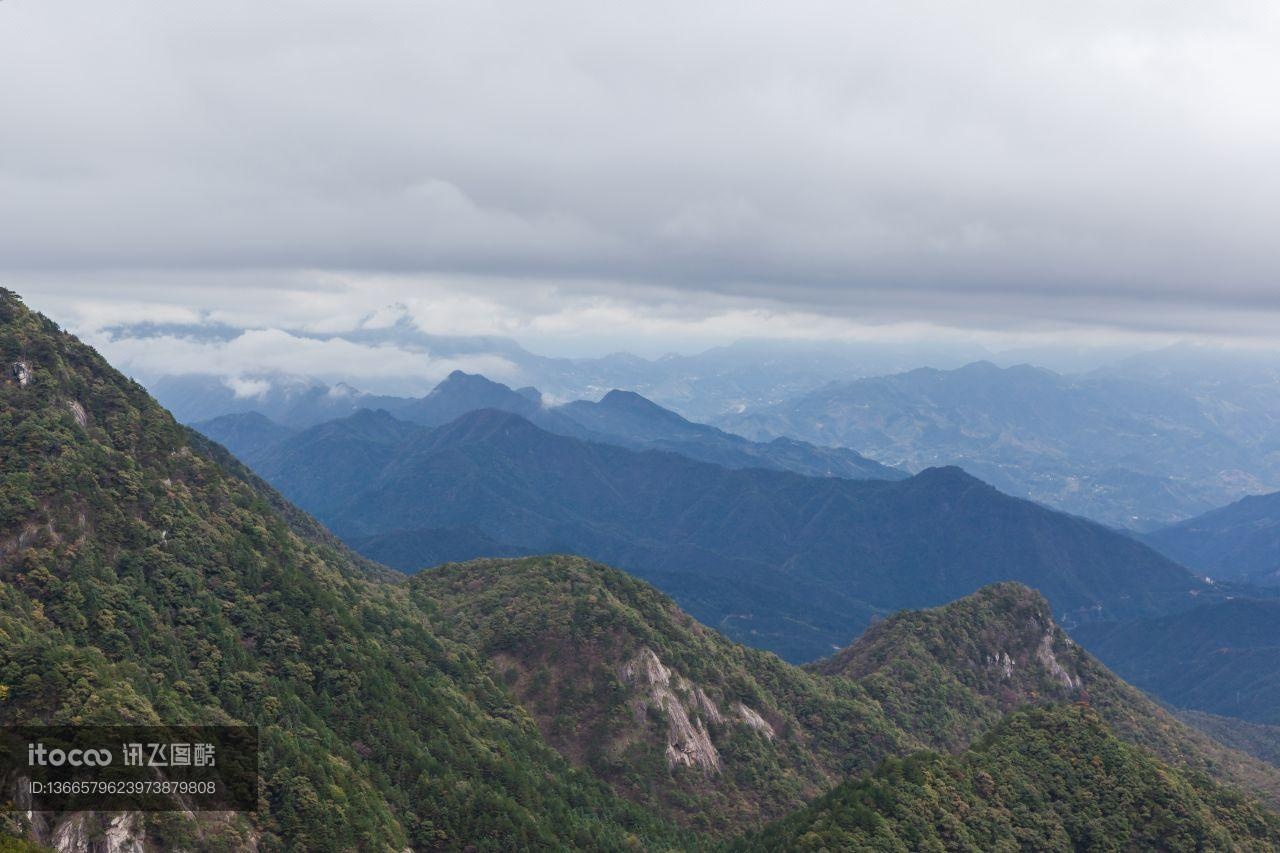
x=796 y=564
x=1240 y=541
x=623 y=418
x=1127 y=452
x=637 y=422
x=1223 y=657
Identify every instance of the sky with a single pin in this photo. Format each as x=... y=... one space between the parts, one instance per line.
x=587 y=177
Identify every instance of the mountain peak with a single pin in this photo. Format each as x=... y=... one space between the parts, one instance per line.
x=619 y=397
x=1001 y=643
x=633 y=403
x=462 y=392
x=948 y=474
x=460 y=378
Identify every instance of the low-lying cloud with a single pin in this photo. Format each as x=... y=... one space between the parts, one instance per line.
x=244 y=358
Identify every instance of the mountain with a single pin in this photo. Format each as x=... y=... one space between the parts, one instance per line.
x=795 y=564
x=1124 y=451
x=700 y=386
x=460 y=393
x=716 y=735
x=949 y=673
x=1236 y=542
x=244 y=433
x=1223 y=658
x=146 y=576
x=623 y=418
x=672 y=714
x=628 y=419
x=1045 y=779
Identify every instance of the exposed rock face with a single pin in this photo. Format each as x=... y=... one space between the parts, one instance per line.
x=688 y=741
x=754 y=720
x=78 y=412
x=1002 y=662
x=93 y=832
x=21 y=371
x=1044 y=654
x=688 y=711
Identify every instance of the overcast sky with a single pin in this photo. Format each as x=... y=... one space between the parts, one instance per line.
x=653 y=175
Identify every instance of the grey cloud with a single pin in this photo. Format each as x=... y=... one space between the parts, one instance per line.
x=1003 y=165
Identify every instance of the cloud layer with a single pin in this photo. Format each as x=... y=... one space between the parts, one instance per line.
x=1005 y=166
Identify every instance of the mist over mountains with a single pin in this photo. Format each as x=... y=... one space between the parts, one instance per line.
x=552 y=702
x=1135 y=441
x=1131 y=452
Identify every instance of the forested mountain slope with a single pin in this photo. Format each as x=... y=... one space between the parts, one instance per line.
x=714 y=734
x=1046 y=780
x=145 y=577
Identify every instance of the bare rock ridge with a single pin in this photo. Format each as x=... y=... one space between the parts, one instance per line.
x=688 y=741
x=688 y=709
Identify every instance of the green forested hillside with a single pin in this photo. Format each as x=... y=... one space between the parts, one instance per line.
x=566 y=635
x=951 y=672
x=1044 y=780
x=143 y=580
x=671 y=713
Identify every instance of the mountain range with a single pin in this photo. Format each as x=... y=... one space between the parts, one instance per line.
x=1120 y=447
x=796 y=564
x=700 y=386
x=623 y=418
x=544 y=703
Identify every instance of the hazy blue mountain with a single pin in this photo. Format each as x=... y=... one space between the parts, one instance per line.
x=1260 y=740
x=1238 y=542
x=778 y=560
x=1127 y=452
x=1223 y=657
x=626 y=418
x=244 y=433
x=700 y=386
x=621 y=417
x=289 y=401
x=461 y=392
x=329 y=461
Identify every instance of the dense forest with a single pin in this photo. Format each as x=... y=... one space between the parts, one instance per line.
x=1046 y=780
